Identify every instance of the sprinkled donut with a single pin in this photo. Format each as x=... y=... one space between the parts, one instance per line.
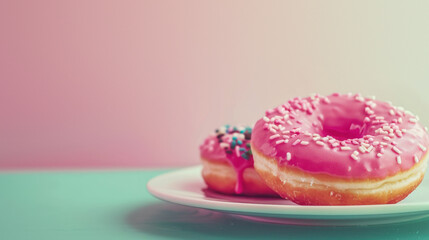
x=228 y=163
x=340 y=150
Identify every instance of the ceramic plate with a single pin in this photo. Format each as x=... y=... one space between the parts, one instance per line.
x=186 y=187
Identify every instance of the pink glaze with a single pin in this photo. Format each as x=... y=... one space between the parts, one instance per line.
x=220 y=147
x=345 y=136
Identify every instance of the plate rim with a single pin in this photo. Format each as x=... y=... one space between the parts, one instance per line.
x=351 y=211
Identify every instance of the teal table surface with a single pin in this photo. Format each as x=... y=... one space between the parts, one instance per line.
x=116 y=205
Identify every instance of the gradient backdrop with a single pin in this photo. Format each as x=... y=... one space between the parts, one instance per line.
x=141 y=83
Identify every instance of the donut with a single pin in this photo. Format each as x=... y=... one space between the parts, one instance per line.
x=228 y=163
x=343 y=149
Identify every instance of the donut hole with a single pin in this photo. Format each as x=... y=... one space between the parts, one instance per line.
x=343 y=129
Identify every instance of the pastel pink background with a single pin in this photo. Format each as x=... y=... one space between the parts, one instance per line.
x=140 y=83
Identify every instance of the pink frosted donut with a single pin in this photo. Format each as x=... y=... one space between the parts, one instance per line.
x=340 y=150
x=228 y=163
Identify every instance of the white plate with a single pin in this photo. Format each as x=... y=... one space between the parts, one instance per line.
x=186 y=187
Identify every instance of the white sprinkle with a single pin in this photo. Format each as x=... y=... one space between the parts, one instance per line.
x=386 y=138
x=274 y=136
x=370 y=148
x=304 y=143
x=266 y=119
x=362 y=149
x=422 y=147
x=386 y=128
x=408 y=113
x=286 y=117
x=224 y=145
x=369 y=103
x=379 y=155
x=316 y=138
x=412 y=120
x=398 y=133
x=335 y=144
x=280 y=141
x=354 y=157
x=275 y=117
x=396 y=150
x=400 y=120
x=273 y=130
x=392 y=112
x=375 y=143
x=320 y=143
x=384 y=132
x=237 y=151
x=379 y=118
x=281 y=110
x=391 y=135
x=355 y=153
x=416 y=159
x=308 y=134
x=398 y=159
x=288 y=156
x=349 y=168
x=359 y=99
x=326 y=100
x=367 y=167
x=289 y=122
x=346 y=148
x=297 y=129
x=241 y=136
x=296 y=142
x=404 y=130
x=274 y=126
